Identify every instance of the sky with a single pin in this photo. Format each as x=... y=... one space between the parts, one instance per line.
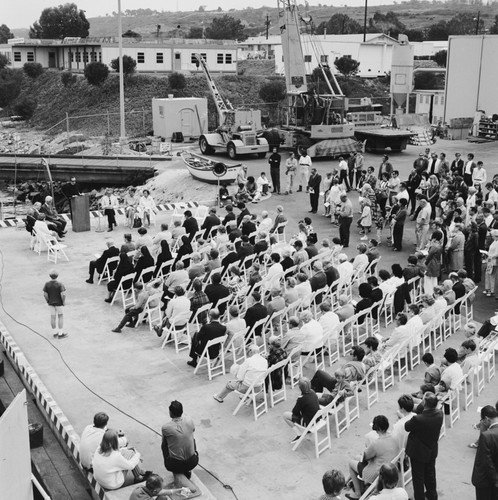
x=22 y=13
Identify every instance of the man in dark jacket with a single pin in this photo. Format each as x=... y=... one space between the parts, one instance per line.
x=216 y=291
x=314 y=189
x=209 y=331
x=190 y=224
x=212 y=220
x=256 y=312
x=99 y=264
x=274 y=162
x=485 y=472
x=422 y=447
x=243 y=212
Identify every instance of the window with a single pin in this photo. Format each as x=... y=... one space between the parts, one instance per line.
x=161 y=111
x=17 y=56
x=140 y=57
x=219 y=58
x=307 y=58
x=228 y=58
x=324 y=59
x=71 y=56
x=435 y=99
x=421 y=99
x=427 y=99
x=78 y=56
x=193 y=59
x=442 y=100
x=159 y=58
x=85 y=56
x=93 y=56
x=30 y=56
x=100 y=56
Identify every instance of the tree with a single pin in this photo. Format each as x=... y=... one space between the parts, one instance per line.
x=96 y=73
x=195 y=32
x=225 y=28
x=32 y=69
x=440 y=58
x=340 y=24
x=129 y=65
x=493 y=30
x=415 y=35
x=177 y=81
x=4 y=61
x=273 y=91
x=68 y=79
x=59 y=22
x=131 y=34
x=386 y=23
x=438 y=31
x=5 y=33
x=25 y=107
x=347 y=66
x=10 y=85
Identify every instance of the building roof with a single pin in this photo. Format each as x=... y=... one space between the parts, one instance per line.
x=354 y=38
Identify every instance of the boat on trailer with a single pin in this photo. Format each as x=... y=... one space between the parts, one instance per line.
x=205 y=169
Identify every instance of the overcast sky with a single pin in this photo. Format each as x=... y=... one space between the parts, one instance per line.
x=22 y=13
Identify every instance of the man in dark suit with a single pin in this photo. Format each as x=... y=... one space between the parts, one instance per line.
x=244 y=248
x=248 y=227
x=230 y=216
x=422 y=447
x=231 y=257
x=314 y=189
x=209 y=331
x=243 y=212
x=256 y=312
x=485 y=472
x=457 y=165
x=212 y=220
x=216 y=291
x=190 y=224
x=99 y=264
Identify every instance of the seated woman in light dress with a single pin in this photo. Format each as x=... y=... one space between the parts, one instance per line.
x=147 y=207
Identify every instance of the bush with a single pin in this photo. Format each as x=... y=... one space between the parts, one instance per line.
x=4 y=61
x=68 y=79
x=177 y=81
x=10 y=85
x=272 y=92
x=440 y=58
x=33 y=70
x=96 y=73
x=25 y=107
x=347 y=66
x=129 y=65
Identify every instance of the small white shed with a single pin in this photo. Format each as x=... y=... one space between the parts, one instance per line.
x=187 y=115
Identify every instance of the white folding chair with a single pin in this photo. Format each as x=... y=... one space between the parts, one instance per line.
x=318 y=424
x=126 y=291
x=215 y=366
x=255 y=395
x=278 y=371
x=280 y=236
x=152 y=312
x=295 y=367
x=54 y=249
x=237 y=346
x=162 y=273
x=107 y=274
x=146 y=275
x=177 y=334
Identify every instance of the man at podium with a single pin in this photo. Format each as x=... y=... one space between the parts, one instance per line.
x=70 y=190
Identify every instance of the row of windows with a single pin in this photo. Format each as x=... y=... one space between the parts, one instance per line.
x=438 y=99
x=85 y=56
x=220 y=58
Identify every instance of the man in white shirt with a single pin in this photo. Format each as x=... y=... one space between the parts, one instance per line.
x=479 y=175
x=471 y=360
x=492 y=195
x=246 y=373
x=329 y=321
x=179 y=277
x=304 y=170
x=404 y=413
x=92 y=437
x=109 y=204
x=385 y=283
x=451 y=374
x=164 y=234
x=266 y=223
x=312 y=331
x=294 y=336
x=423 y=220
x=400 y=334
x=469 y=169
x=178 y=307
x=235 y=324
x=275 y=272
x=343 y=173
x=345 y=268
x=415 y=323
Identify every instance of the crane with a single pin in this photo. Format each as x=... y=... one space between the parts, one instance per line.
x=238 y=132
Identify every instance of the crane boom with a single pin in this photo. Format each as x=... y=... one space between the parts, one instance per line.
x=224 y=106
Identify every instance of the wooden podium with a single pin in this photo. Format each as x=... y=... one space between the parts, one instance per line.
x=80 y=210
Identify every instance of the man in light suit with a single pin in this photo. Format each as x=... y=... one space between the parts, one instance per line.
x=422 y=447
x=485 y=472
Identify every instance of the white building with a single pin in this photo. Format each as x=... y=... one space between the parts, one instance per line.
x=156 y=55
x=374 y=54
x=430 y=103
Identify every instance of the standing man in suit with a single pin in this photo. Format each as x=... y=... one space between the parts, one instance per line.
x=386 y=167
x=457 y=165
x=274 y=162
x=209 y=331
x=422 y=447
x=485 y=472
x=469 y=169
x=71 y=189
x=314 y=189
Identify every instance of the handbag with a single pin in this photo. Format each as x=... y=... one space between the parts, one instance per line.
x=137 y=222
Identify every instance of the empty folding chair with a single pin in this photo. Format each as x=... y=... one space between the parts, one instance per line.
x=54 y=250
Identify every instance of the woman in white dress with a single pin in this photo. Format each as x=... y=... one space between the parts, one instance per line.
x=147 y=207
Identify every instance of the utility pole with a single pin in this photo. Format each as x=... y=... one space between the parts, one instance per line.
x=122 y=131
x=478 y=20
x=267 y=24
x=365 y=23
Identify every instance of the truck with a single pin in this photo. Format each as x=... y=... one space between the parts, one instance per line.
x=239 y=131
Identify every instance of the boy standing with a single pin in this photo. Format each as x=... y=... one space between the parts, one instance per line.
x=55 y=295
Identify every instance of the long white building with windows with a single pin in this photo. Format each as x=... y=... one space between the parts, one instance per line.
x=155 y=55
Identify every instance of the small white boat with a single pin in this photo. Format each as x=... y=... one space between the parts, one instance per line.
x=203 y=169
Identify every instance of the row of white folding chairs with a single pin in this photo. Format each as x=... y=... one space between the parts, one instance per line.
x=55 y=249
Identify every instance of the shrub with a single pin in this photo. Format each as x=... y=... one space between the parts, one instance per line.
x=177 y=81
x=273 y=91
x=347 y=66
x=25 y=107
x=10 y=85
x=96 y=73
x=4 y=61
x=32 y=69
x=129 y=65
x=68 y=79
